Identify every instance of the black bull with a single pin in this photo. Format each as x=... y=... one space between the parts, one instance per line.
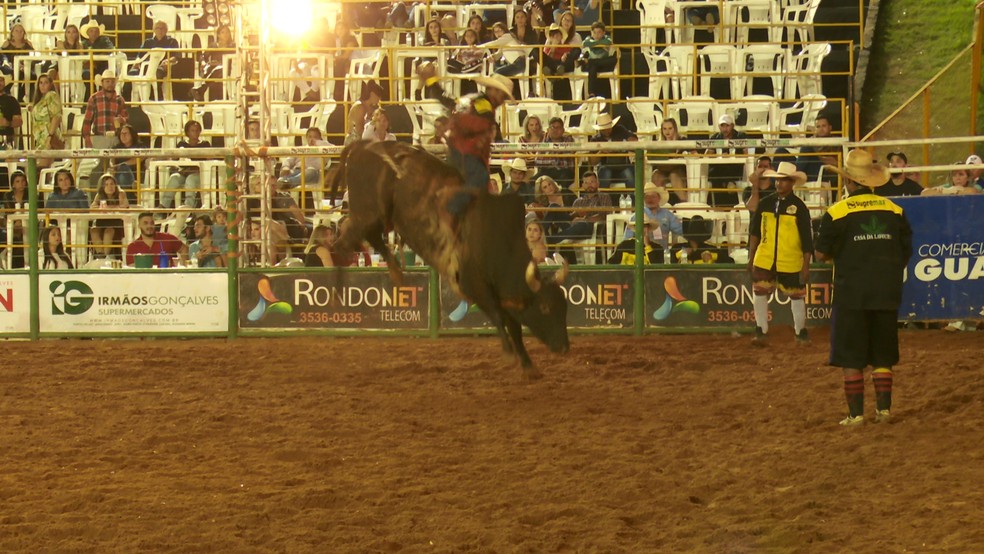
x=395 y=185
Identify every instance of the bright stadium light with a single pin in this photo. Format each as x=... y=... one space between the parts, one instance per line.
x=291 y=18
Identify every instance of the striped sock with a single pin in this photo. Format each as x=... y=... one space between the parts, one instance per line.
x=854 y=391
x=882 y=378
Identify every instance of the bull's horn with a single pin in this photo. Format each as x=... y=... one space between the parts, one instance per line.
x=531 y=278
x=561 y=273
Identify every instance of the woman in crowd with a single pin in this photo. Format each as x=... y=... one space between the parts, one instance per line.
x=15 y=46
x=210 y=65
x=125 y=171
x=434 y=35
x=535 y=239
x=511 y=58
x=532 y=130
x=104 y=232
x=378 y=130
x=66 y=196
x=523 y=30
x=46 y=119
x=477 y=24
x=548 y=194
x=15 y=201
x=959 y=183
x=71 y=40
x=318 y=252
x=677 y=174
x=53 y=254
x=563 y=48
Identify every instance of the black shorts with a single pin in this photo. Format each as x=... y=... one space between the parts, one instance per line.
x=859 y=338
x=789 y=283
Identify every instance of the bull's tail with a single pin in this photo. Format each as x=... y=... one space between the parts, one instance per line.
x=338 y=172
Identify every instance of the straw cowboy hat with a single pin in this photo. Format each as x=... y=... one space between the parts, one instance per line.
x=861 y=168
x=605 y=121
x=664 y=195
x=519 y=164
x=554 y=27
x=498 y=82
x=108 y=74
x=786 y=169
x=92 y=24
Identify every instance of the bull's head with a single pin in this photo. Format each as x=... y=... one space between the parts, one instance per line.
x=546 y=313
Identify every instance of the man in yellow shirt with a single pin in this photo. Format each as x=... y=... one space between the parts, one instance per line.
x=780 y=247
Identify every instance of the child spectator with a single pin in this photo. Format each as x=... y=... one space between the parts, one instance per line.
x=597 y=57
x=220 y=233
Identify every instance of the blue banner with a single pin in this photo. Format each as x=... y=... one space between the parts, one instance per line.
x=945 y=277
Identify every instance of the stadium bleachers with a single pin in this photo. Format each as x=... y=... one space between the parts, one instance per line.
x=772 y=64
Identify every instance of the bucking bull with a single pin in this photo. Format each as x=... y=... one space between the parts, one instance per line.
x=392 y=185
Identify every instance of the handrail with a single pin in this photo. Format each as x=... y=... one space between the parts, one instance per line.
x=919 y=92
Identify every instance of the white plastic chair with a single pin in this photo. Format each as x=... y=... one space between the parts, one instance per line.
x=678 y=64
x=807 y=108
x=760 y=114
x=143 y=85
x=652 y=16
x=586 y=114
x=695 y=114
x=647 y=114
x=797 y=20
x=803 y=70
x=717 y=61
x=766 y=61
x=742 y=15
x=163 y=12
x=361 y=71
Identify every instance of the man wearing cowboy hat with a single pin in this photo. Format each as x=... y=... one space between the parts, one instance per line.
x=613 y=168
x=870 y=242
x=780 y=247
x=664 y=221
x=519 y=179
x=95 y=38
x=104 y=113
x=472 y=129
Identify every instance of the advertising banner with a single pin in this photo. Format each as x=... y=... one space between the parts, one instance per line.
x=15 y=305
x=945 y=277
x=134 y=303
x=698 y=296
x=596 y=298
x=314 y=300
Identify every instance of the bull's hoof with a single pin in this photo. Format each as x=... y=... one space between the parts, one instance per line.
x=532 y=374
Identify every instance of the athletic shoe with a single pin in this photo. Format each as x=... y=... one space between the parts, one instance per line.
x=802 y=337
x=852 y=421
x=882 y=416
x=759 y=339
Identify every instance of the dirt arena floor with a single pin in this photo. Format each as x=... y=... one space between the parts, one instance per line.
x=655 y=444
